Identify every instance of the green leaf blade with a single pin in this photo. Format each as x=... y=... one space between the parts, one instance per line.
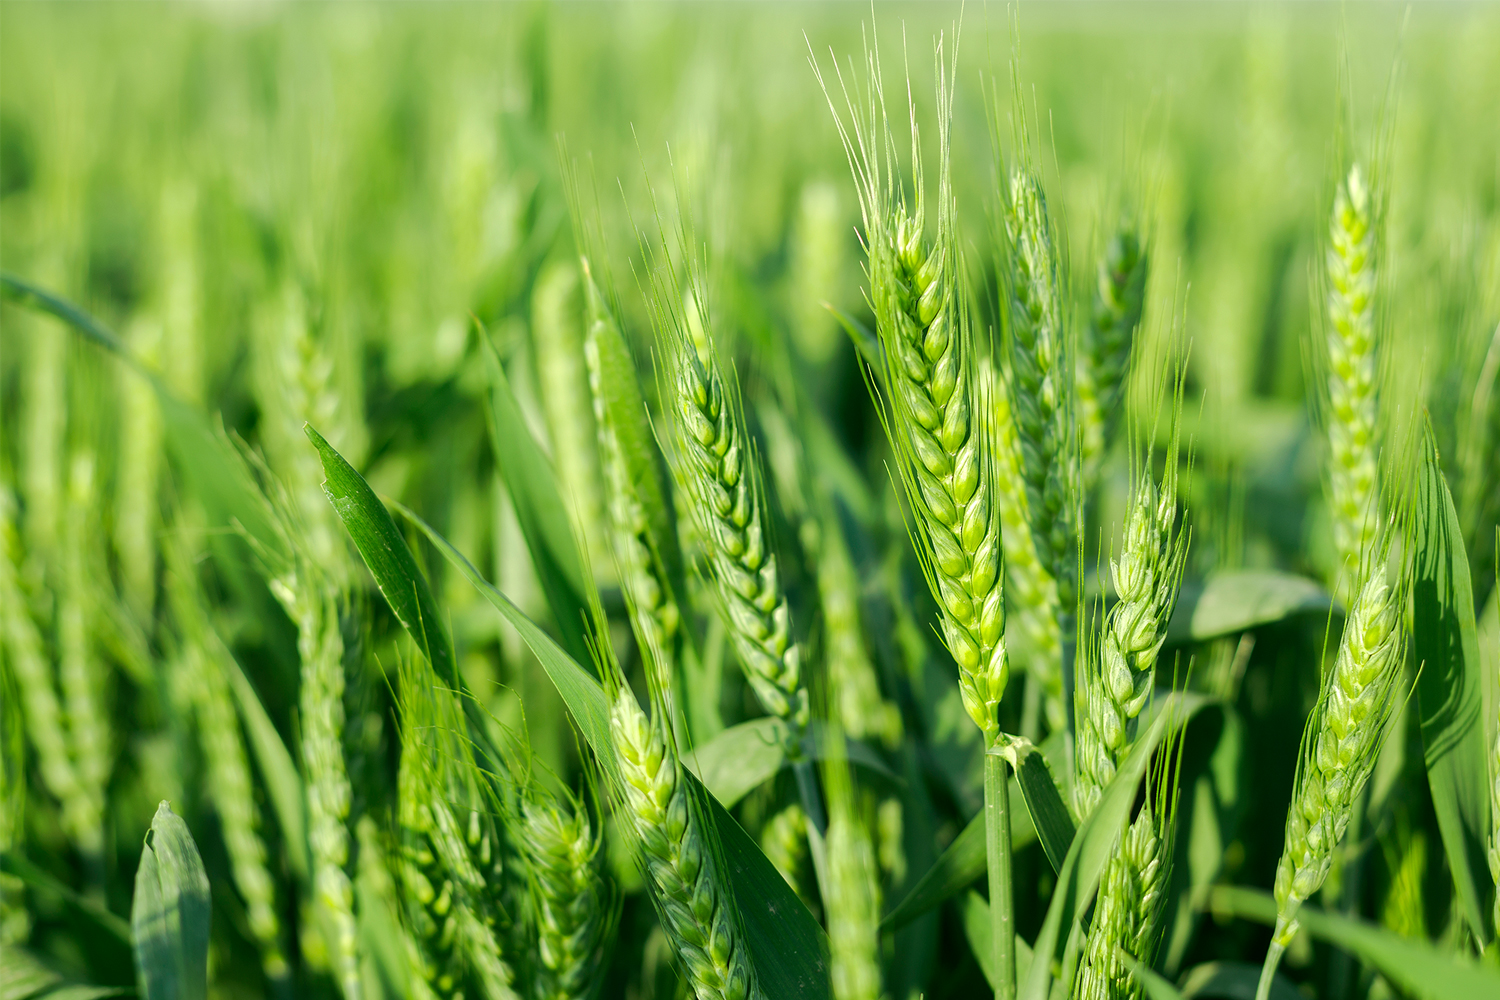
x=1450 y=691
x=170 y=915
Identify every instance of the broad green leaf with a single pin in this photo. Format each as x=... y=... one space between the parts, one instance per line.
x=1450 y=691
x=169 y=917
x=975 y=910
x=1094 y=844
x=1416 y=967
x=787 y=943
x=959 y=866
x=1233 y=981
x=384 y=551
x=1237 y=601
x=1054 y=824
x=541 y=510
x=743 y=757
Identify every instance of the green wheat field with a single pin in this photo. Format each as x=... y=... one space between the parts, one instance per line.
x=807 y=501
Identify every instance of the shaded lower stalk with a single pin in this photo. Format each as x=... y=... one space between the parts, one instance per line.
x=997 y=853
x=817 y=817
x=1268 y=970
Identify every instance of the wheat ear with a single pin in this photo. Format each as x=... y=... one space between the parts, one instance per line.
x=852 y=900
x=695 y=904
x=936 y=411
x=1119 y=298
x=1111 y=692
x=568 y=897
x=1042 y=387
x=1350 y=270
x=1339 y=747
x=1031 y=593
x=717 y=469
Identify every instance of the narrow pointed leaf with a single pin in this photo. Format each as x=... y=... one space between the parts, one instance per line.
x=975 y=910
x=386 y=554
x=1054 y=824
x=958 y=867
x=170 y=914
x=1415 y=967
x=1450 y=689
x=543 y=513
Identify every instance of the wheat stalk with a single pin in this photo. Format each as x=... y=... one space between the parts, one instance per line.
x=1350 y=268
x=683 y=868
x=1339 y=747
x=1119 y=298
x=1111 y=693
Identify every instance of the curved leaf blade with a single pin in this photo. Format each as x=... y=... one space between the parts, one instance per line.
x=1450 y=691
x=385 y=553
x=170 y=915
x=1238 y=601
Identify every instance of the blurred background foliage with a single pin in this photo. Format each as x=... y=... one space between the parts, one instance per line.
x=298 y=211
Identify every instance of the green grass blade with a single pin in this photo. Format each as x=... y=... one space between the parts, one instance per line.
x=1095 y=842
x=787 y=944
x=1414 y=966
x=540 y=509
x=14 y=864
x=958 y=867
x=170 y=915
x=1450 y=690
x=1240 y=600
x=1054 y=824
x=386 y=554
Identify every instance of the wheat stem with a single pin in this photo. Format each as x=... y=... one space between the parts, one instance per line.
x=998 y=856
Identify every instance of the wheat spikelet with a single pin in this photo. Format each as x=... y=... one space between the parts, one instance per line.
x=79 y=669
x=42 y=711
x=694 y=901
x=784 y=841
x=229 y=783
x=1119 y=297
x=1350 y=270
x=1041 y=386
x=138 y=471
x=568 y=898
x=1125 y=916
x=642 y=548
x=558 y=343
x=722 y=480
x=937 y=410
x=1111 y=693
x=1031 y=593
x=1339 y=746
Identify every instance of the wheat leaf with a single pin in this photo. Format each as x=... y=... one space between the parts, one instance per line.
x=1450 y=691
x=169 y=917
